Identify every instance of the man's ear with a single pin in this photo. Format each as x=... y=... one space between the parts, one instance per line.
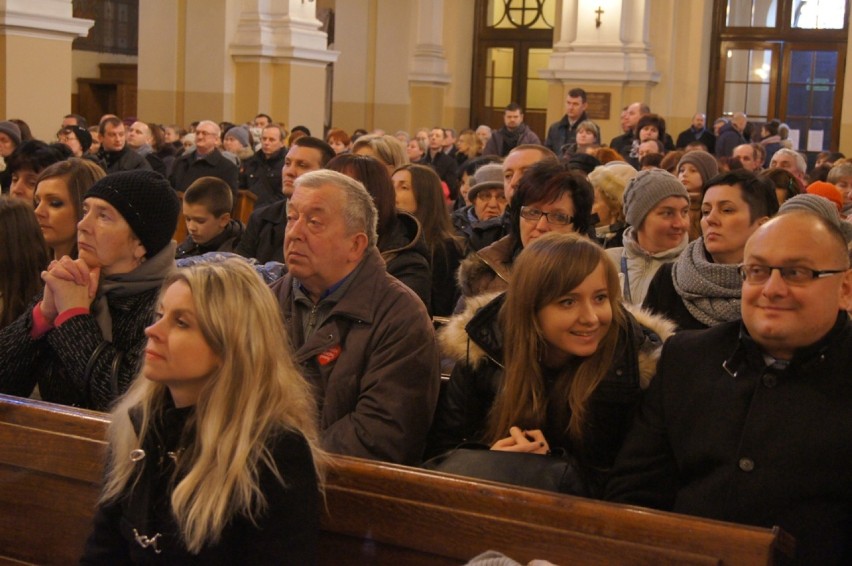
x=359 y=243
x=224 y=220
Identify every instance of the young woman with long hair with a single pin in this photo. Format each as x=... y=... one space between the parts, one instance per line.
x=58 y=202
x=419 y=192
x=23 y=256
x=555 y=364
x=401 y=240
x=213 y=450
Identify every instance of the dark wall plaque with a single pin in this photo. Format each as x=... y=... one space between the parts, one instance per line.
x=598 y=108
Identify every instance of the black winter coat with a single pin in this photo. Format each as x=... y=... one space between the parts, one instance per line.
x=263 y=238
x=189 y=168
x=475 y=339
x=721 y=435
x=286 y=533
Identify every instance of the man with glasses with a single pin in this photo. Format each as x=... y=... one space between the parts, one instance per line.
x=205 y=161
x=749 y=421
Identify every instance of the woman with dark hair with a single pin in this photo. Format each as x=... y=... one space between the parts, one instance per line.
x=59 y=202
x=213 y=455
x=401 y=240
x=23 y=256
x=555 y=365
x=26 y=163
x=550 y=197
x=418 y=191
x=82 y=339
x=703 y=286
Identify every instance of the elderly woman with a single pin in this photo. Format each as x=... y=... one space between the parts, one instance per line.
x=82 y=340
x=609 y=182
x=550 y=198
x=703 y=287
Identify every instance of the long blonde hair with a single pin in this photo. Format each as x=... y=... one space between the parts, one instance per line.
x=256 y=393
x=544 y=272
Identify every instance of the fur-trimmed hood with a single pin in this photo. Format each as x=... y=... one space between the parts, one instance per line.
x=474 y=336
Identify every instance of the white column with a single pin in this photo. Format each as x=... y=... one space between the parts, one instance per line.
x=429 y=65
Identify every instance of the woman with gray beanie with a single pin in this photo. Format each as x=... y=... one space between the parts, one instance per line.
x=703 y=287
x=81 y=341
x=656 y=207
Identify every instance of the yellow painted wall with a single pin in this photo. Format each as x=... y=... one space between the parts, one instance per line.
x=37 y=75
x=458 y=47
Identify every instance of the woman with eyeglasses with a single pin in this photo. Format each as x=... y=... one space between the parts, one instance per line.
x=550 y=198
x=703 y=287
x=556 y=365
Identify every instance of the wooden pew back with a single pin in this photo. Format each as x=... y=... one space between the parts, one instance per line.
x=51 y=460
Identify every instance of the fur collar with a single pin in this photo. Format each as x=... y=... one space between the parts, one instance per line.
x=456 y=344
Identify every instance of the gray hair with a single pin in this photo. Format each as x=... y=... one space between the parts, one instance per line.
x=800 y=161
x=839 y=171
x=216 y=127
x=359 y=210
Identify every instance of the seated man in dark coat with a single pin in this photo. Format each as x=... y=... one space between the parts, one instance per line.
x=205 y=161
x=748 y=421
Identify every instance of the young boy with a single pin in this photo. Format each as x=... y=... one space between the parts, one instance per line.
x=207 y=209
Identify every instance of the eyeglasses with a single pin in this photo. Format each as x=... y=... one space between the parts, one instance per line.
x=553 y=217
x=758 y=274
x=203 y=134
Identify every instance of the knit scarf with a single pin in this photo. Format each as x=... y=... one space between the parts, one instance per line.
x=149 y=275
x=710 y=291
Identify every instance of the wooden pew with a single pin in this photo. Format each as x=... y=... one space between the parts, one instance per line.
x=50 y=468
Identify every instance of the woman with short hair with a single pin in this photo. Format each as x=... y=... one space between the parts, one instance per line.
x=703 y=287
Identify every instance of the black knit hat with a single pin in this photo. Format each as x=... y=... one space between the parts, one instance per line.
x=146 y=201
x=82 y=134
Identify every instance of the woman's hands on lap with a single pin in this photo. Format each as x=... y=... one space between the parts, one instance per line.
x=530 y=441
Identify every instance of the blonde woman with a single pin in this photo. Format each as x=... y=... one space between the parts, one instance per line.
x=554 y=365
x=213 y=454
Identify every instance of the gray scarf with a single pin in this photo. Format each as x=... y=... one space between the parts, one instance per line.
x=149 y=275
x=710 y=291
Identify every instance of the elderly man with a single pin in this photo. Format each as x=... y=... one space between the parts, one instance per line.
x=361 y=338
x=623 y=144
x=114 y=151
x=205 y=161
x=481 y=223
x=513 y=133
x=261 y=173
x=564 y=132
x=792 y=161
x=264 y=235
x=748 y=421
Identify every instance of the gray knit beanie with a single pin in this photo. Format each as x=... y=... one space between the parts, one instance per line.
x=706 y=164
x=820 y=206
x=12 y=130
x=239 y=133
x=486 y=177
x=146 y=201
x=646 y=190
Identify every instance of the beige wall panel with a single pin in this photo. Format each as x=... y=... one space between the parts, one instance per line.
x=354 y=39
x=300 y=94
x=458 y=48
x=427 y=106
x=162 y=72
x=247 y=89
x=160 y=106
x=39 y=98
x=205 y=105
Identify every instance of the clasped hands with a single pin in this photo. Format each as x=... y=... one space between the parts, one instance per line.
x=68 y=283
x=530 y=441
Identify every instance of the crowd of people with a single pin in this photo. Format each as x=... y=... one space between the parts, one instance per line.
x=668 y=319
